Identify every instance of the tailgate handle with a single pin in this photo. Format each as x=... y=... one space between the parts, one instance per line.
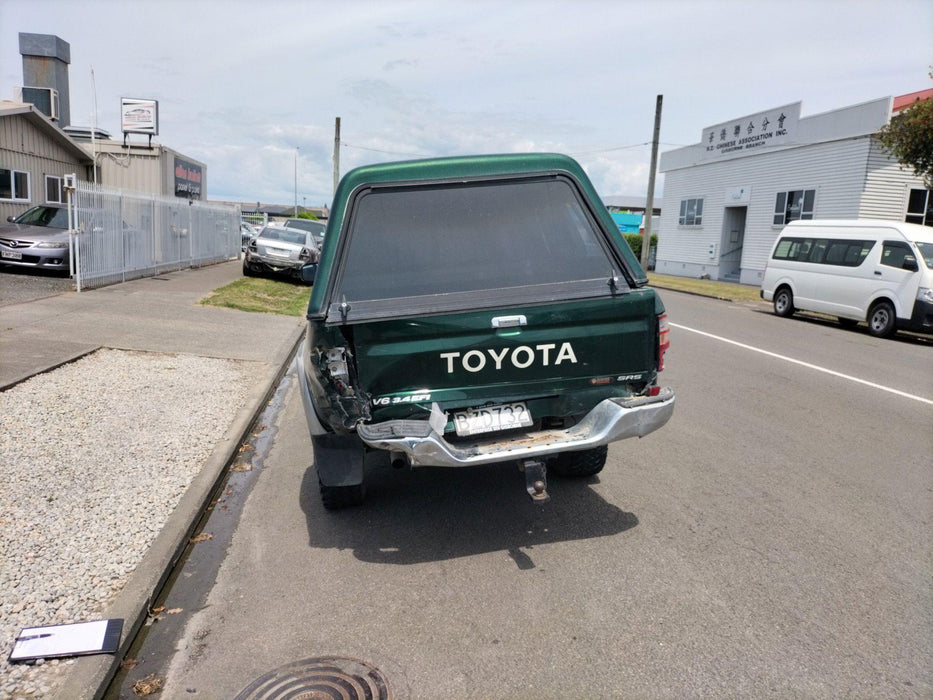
x=508 y=321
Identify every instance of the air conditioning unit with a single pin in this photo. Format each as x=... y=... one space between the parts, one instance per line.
x=45 y=100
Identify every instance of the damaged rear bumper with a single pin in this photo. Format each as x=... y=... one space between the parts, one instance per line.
x=610 y=420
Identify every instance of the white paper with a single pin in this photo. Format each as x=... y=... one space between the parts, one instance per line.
x=60 y=640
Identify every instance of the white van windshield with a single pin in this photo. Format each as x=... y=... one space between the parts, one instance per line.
x=926 y=252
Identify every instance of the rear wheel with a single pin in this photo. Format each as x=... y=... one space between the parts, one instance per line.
x=583 y=463
x=882 y=320
x=248 y=270
x=337 y=497
x=784 y=302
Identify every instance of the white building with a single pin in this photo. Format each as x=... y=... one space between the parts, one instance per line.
x=727 y=197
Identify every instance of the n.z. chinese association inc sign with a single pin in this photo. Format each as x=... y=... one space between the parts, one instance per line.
x=187 y=179
x=754 y=133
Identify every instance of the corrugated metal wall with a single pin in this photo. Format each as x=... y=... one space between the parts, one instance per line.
x=139 y=170
x=24 y=147
x=836 y=170
x=887 y=186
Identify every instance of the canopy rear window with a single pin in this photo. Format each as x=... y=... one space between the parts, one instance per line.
x=471 y=239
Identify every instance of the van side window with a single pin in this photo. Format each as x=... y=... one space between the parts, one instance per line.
x=818 y=254
x=823 y=251
x=895 y=254
x=847 y=253
x=787 y=249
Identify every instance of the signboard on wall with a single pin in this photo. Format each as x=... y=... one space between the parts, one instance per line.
x=738 y=195
x=139 y=116
x=187 y=179
x=750 y=134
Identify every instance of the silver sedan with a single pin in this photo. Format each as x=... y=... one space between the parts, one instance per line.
x=281 y=251
x=36 y=238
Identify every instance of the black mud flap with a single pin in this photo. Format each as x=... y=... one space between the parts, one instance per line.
x=339 y=459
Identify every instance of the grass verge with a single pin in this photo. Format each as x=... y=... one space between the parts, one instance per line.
x=261 y=295
x=708 y=288
x=271 y=296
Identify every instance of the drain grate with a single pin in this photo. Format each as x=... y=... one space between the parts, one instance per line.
x=320 y=678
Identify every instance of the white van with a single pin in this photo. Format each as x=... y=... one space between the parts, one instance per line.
x=880 y=272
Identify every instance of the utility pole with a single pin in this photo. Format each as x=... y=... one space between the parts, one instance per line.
x=94 y=128
x=649 y=205
x=336 y=154
x=296 y=182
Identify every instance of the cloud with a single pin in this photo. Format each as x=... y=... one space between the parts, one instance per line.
x=240 y=89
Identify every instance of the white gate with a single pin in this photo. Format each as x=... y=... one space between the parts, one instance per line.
x=117 y=235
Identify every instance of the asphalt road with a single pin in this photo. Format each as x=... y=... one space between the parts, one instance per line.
x=773 y=540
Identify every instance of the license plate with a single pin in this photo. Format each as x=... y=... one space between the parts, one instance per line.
x=277 y=252
x=11 y=255
x=490 y=419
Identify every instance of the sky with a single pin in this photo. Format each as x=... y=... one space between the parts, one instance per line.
x=248 y=87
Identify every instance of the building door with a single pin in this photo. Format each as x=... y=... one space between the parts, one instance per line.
x=733 y=238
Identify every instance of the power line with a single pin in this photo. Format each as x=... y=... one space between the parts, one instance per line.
x=607 y=150
x=378 y=150
x=575 y=154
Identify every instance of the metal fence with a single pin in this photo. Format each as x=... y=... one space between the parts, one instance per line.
x=119 y=235
x=255 y=218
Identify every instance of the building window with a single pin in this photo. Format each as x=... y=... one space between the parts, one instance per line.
x=793 y=205
x=920 y=207
x=691 y=212
x=14 y=185
x=53 y=190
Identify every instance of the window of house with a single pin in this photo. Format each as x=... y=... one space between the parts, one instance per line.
x=14 y=185
x=793 y=205
x=920 y=207
x=53 y=190
x=691 y=212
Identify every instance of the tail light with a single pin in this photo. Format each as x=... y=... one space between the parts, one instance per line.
x=664 y=339
x=305 y=254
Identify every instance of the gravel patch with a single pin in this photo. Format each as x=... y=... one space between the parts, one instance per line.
x=94 y=456
x=18 y=285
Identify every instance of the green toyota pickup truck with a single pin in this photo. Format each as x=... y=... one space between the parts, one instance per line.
x=477 y=310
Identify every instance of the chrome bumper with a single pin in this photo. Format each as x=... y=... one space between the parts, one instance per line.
x=610 y=420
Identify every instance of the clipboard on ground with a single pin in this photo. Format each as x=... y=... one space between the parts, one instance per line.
x=76 y=639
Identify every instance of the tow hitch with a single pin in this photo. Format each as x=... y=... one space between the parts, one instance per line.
x=535 y=479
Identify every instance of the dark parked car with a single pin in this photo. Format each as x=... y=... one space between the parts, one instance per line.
x=37 y=238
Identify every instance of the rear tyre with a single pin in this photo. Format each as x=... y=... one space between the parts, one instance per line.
x=338 y=497
x=784 y=302
x=583 y=463
x=882 y=320
x=847 y=322
x=247 y=270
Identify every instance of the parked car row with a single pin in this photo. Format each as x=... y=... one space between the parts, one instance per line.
x=248 y=231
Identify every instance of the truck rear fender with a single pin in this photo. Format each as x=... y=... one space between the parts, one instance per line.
x=332 y=377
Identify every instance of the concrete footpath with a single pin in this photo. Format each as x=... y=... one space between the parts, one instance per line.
x=160 y=315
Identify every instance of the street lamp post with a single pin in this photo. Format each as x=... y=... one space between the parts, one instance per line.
x=296 y=182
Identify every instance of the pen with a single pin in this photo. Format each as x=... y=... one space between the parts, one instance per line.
x=33 y=636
